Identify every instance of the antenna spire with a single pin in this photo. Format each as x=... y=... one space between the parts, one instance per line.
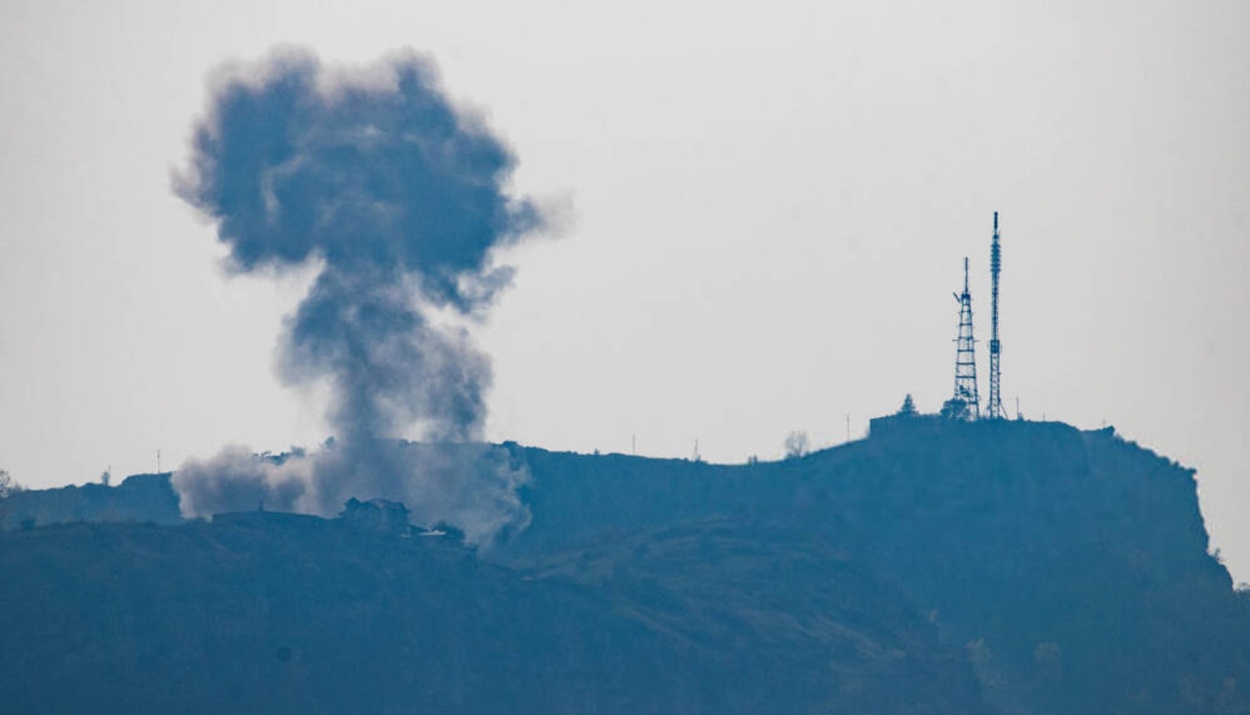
x=994 y=409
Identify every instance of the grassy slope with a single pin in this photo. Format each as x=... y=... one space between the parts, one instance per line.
x=282 y=613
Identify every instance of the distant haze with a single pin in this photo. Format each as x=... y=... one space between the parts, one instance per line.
x=772 y=204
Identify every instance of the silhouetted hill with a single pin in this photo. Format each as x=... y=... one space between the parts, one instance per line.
x=936 y=567
x=282 y=613
x=140 y=498
x=1071 y=566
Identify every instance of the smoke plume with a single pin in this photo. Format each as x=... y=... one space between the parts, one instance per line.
x=402 y=200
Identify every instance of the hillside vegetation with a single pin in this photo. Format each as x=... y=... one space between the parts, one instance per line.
x=937 y=567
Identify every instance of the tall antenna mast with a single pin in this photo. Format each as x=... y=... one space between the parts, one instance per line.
x=965 y=403
x=994 y=409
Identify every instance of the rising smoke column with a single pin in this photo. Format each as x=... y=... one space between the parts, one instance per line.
x=402 y=200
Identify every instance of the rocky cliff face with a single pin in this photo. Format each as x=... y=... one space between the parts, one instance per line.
x=994 y=567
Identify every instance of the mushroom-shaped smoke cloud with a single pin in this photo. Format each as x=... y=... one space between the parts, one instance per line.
x=401 y=200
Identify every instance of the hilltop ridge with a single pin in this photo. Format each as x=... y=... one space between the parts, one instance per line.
x=1068 y=563
x=993 y=566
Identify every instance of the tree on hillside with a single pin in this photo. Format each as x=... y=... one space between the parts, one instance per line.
x=909 y=407
x=796 y=445
x=8 y=487
x=956 y=409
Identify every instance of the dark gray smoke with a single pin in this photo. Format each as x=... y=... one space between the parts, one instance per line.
x=402 y=201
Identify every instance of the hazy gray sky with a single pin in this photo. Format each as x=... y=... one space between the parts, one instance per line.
x=772 y=202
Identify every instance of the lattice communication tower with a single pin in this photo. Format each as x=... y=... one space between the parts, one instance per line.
x=966 y=402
